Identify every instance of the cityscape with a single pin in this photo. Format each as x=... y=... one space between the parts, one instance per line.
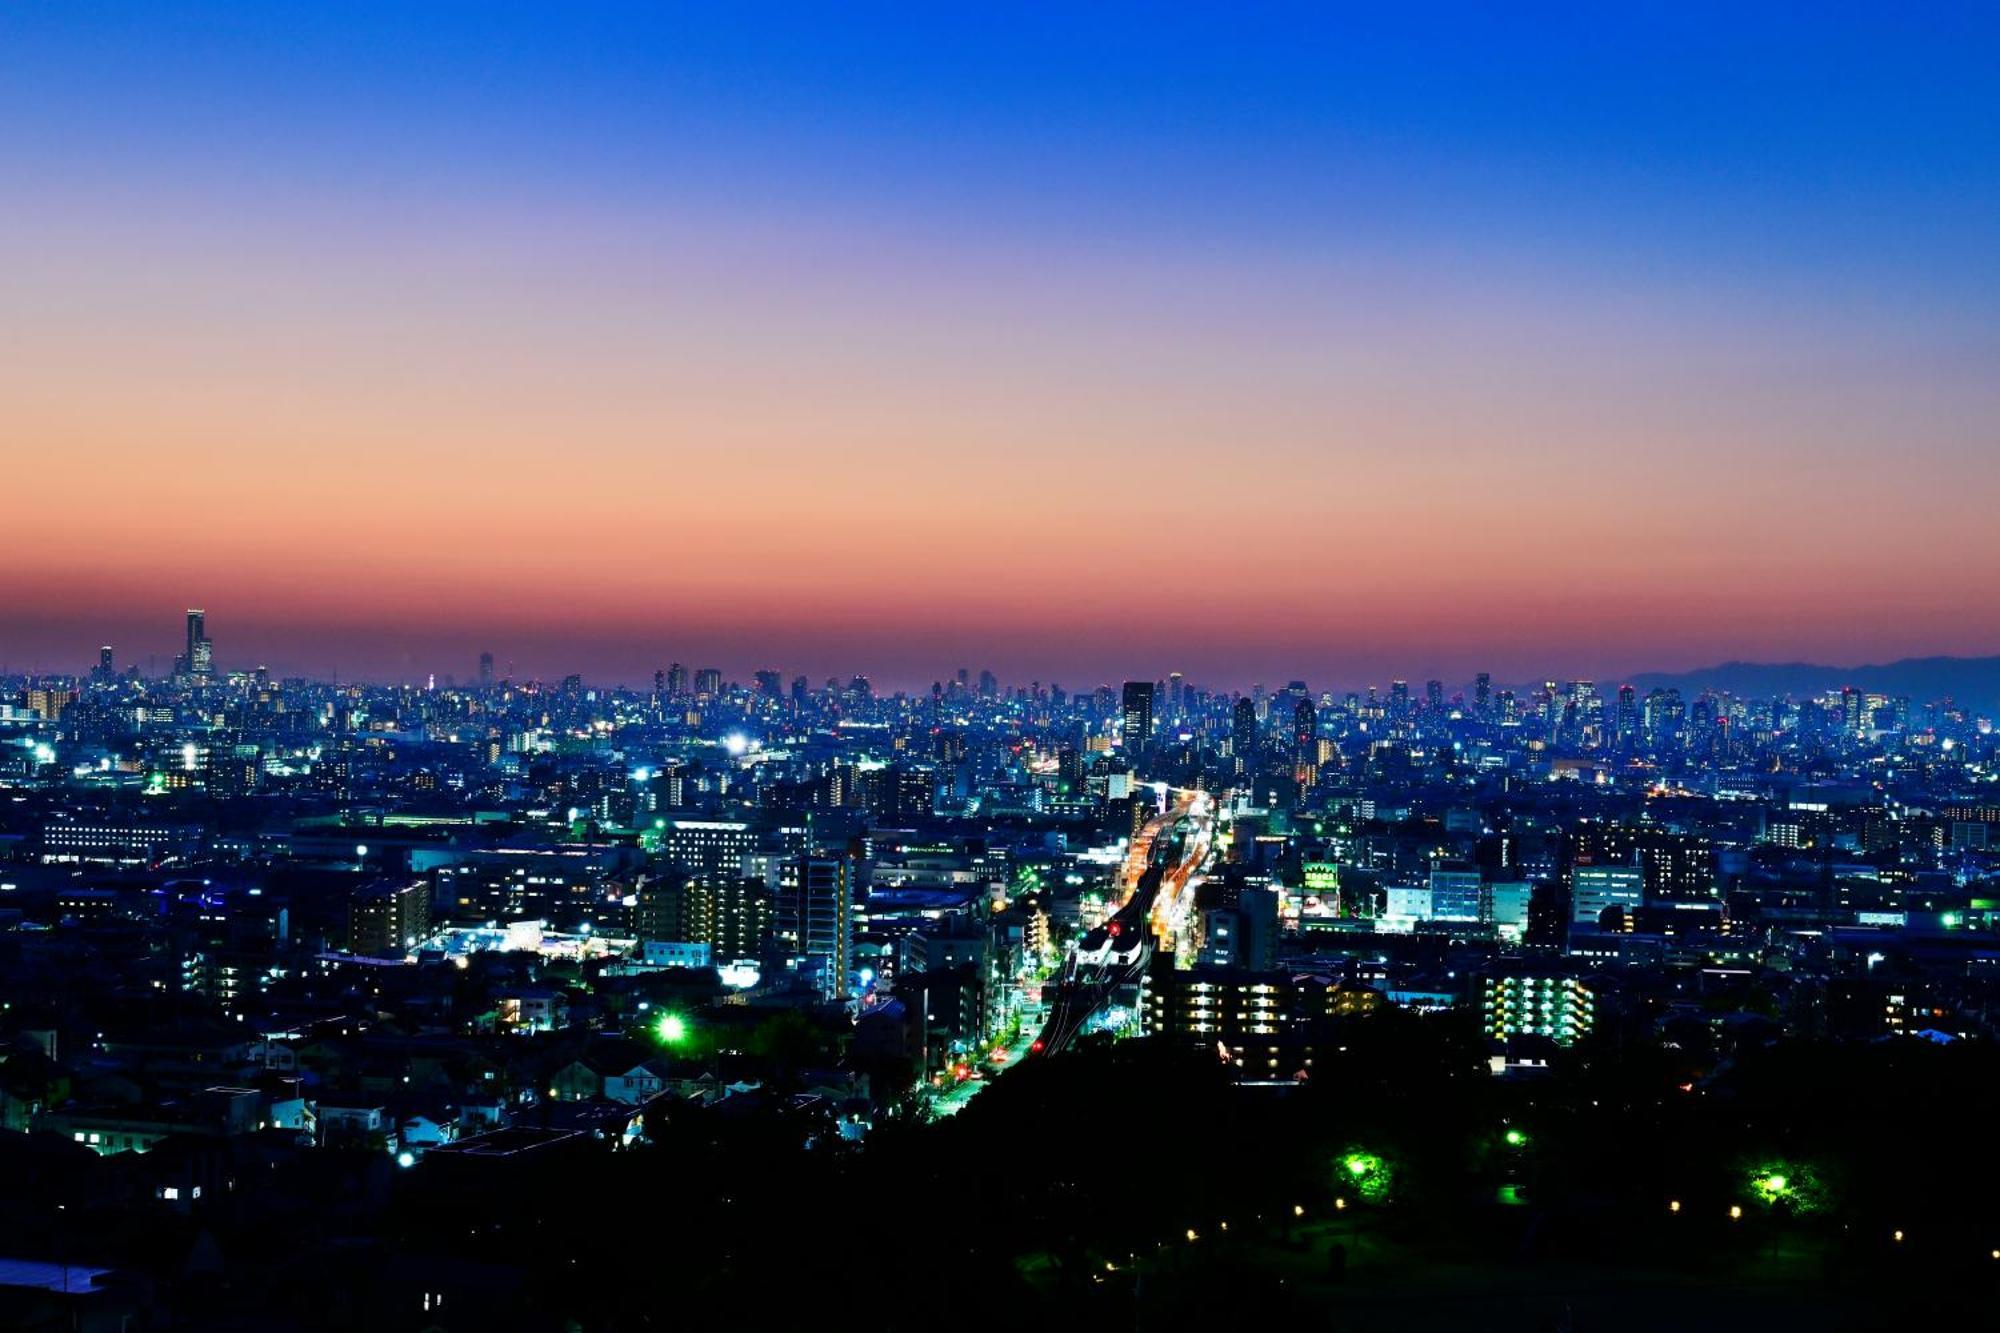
x=394 y=971
x=889 y=667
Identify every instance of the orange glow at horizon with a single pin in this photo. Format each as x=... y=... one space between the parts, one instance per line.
x=1105 y=461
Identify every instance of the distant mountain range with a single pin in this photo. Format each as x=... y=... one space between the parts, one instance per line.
x=1974 y=682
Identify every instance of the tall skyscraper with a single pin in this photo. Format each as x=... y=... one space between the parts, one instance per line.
x=1853 y=717
x=105 y=669
x=1243 y=733
x=1305 y=731
x=195 y=663
x=1136 y=724
x=485 y=670
x=1482 y=690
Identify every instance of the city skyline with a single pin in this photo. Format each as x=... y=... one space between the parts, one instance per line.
x=1155 y=667
x=151 y=660
x=1305 y=343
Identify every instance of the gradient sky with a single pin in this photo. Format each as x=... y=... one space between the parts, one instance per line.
x=1079 y=341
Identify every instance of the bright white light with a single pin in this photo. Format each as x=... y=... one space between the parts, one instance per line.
x=737 y=744
x=406 y=1158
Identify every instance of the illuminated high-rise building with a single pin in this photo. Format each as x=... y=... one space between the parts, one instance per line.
x=1853 y=713
x=815 y=916
x=195 y=662
x=1136 y=722
x=1243 y=733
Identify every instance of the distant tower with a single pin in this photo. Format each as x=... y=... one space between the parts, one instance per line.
x=485 y=670
x=105 y=669
x=1243 y=732
x=1136 y=724
x=196 y=660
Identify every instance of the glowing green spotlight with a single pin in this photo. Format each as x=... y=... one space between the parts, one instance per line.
x=1771 y=1186
x=671 y=1029
x=1515 y=1138
x=1370 y=1173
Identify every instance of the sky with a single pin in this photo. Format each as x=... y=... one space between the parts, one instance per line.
x=1257 y=342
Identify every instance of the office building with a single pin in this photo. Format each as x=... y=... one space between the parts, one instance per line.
x=1136 y=721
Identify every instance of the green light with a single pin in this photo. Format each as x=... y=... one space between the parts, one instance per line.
x=671 y=1029
x=1515 y=1138
x=1370 y=1173
x=1795 y=1186
x=1771 y=1187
